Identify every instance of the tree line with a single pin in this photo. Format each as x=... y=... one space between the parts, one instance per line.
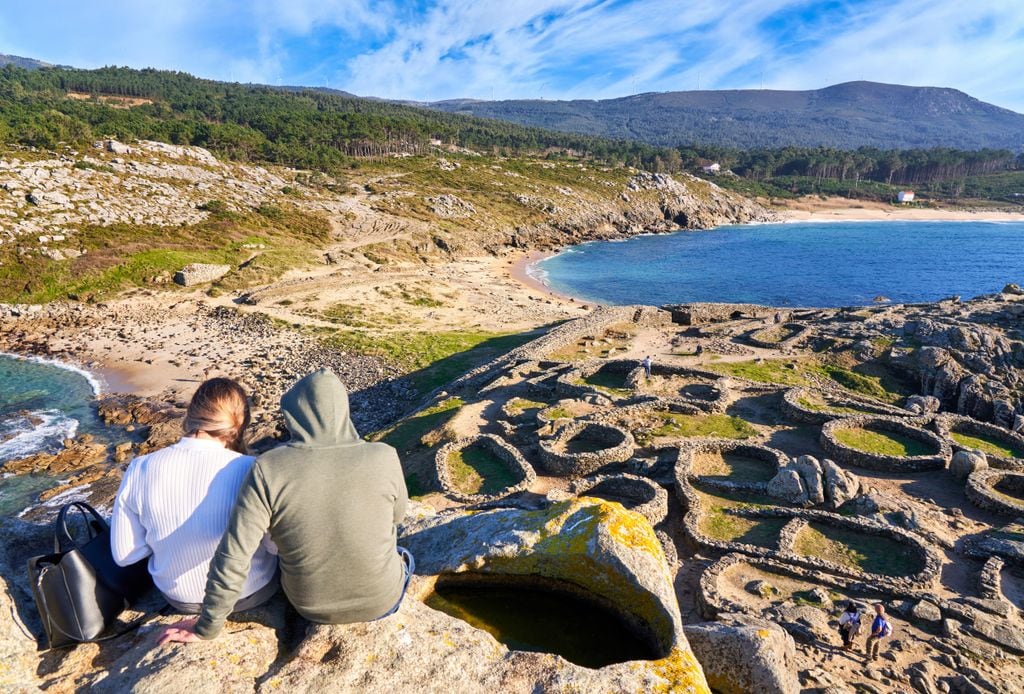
x=321 y=129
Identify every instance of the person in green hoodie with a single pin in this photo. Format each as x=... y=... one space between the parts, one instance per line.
x=331 y=503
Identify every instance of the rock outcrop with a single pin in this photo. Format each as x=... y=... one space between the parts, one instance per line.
x=745 y=655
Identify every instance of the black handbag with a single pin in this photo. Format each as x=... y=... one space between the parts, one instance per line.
x=79 y=590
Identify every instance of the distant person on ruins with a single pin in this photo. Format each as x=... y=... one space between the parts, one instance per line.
x=849 y=625
x=174 y=504
x=699 y=351
x=648 y=363
x=881 y=628
x=331 y=503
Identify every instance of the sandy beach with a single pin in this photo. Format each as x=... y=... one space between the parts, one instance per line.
x=814 y=209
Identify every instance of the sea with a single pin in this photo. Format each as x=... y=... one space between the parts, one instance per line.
x=806 y=264
x=42 y=403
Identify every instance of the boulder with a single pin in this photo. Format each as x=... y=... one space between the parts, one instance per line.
x=809 y=470
x=922 y=404
x=787 y=486
x=964 y=463
x=840 y=485
x=928 y=612
x=1013 y=289
x=745 y=656
x=200 y=273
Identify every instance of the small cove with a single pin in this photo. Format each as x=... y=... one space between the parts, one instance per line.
x=809 y=264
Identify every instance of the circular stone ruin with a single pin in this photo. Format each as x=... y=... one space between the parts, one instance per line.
x=1003 y=448
x=886 y=444
x=566 y=410
x=608 y=378
x=813 y=407
x=776 y=336
x=635 y=493
x=581 y=448
x=997 y=490
x=729 y=465
x=482 y=468
x=682 y=386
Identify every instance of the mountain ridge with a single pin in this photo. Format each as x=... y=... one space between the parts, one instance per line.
x=845 y=115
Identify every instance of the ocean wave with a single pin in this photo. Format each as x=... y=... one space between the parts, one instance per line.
x=23 y=435
x=93 y=379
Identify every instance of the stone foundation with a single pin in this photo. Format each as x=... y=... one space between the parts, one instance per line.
x=884 y=463
x=982 y=490
x=946 y=424
x=618 y=446
x=793 y=409
x=508 y=455
x=637 y=494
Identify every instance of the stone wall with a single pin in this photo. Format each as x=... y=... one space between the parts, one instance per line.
x=618 y=448
x=773 y=458
x=946 y=424
x=981 y=490
x=762 y=337
x=699 y=314
x=636 y=493
x=845 y=455
x=501 y=450
x=794 y=410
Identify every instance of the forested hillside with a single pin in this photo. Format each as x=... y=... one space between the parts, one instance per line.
x=845 y=116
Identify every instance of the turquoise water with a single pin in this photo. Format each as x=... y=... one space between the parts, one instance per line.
x=799 y=264
x=41 y=404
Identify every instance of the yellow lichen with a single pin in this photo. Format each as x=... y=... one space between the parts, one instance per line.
x=680 y=673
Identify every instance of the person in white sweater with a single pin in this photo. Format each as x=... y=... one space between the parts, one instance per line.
x=174 y=504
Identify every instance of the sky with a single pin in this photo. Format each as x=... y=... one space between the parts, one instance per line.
x=429 y=50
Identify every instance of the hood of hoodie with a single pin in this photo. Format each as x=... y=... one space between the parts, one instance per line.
x=316 y=412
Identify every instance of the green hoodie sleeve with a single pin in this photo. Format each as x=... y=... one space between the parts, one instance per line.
x=247 y=526
x=401 y=494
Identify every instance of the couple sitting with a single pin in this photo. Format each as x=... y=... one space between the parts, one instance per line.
x=219 y=527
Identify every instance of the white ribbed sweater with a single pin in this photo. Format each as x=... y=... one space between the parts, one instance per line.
x=173 y=506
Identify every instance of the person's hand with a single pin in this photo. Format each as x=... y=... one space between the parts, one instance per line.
x=179 y=632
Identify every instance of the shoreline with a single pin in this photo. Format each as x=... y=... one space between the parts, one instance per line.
x=809 y=209
x=520 y=272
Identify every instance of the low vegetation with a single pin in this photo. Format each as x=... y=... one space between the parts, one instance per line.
x=690 y=425
x=730 y=466
x=718 y=524
x=475 y=470
x=883 y=442
x=988 y=445
x=411 y=433
x=854 y=550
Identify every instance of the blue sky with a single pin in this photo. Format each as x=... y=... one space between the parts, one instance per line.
x=439 y=49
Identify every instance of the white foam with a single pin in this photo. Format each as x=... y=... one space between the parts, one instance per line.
x=25 y=438
x=94 y=381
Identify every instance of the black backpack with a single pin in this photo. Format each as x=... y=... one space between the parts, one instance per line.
x=79 y=590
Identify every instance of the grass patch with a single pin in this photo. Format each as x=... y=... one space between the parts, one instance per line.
x=730 y=466
x=817 y=405
x=785 y=371
x=558 y=413
x=987 y=444
x=870 y=553
x=121 y=256
x=521 y=405
x=872 y=385
x=611 y=383
x=475 y=470
x=883 y=442
x=408 y=435
x=434 y=358
x=693 y=425
x=717 y=524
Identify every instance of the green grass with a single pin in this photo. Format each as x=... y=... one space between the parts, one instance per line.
x=987 y=444
x=521 y=405
x=883 y=442
x=407 y=436
x=822 y=406
x=870 y=553
x=784 y=371
x=557 y=413
x=692 y=425
x=717 y=524
x=434 y=358
x=475 y=470
x=610 y=383
x=881 y=387
x=122 y=256
x=730 y=466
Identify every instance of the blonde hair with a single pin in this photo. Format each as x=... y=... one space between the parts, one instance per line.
x=219 y=408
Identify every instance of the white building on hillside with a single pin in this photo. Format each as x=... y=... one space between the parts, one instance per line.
x=905 y=196
x=712 y=168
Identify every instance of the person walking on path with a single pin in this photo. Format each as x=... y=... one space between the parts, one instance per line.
x=881 y=628
x=849 y=625
x=648 y=363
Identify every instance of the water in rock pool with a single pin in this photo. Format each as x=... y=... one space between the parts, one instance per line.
x=41 y=404
x=532 y=619
x=799 y=264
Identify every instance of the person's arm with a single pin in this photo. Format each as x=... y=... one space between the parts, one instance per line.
x=127 y=534
x=229 y=568
x=246 y=529
x=401 y=493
